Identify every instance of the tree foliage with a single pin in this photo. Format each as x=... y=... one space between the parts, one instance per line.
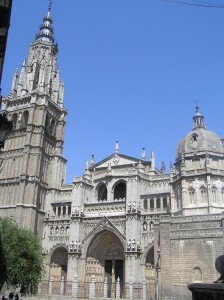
x=21 y=259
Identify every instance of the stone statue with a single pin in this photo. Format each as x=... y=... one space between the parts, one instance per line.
x=71 y=246
x=129 y=245
x=75 y=245
x=133 y=206
x=145 y=226
x=133 y=244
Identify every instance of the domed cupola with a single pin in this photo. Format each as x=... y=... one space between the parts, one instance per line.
x=199 y=140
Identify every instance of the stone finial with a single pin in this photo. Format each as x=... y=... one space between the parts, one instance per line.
x=163 y=168
x=219 y=265
x=152 y=160
x=117 y=147
x=92 y=160
x=143 y=154
x=87 y=165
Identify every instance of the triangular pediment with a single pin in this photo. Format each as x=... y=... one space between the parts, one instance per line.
x=104 y=224
x=116 y=160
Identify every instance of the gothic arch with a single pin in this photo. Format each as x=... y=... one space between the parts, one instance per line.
x=103 y=225
x=105 y=257
x=197 y=274
x=58 y=262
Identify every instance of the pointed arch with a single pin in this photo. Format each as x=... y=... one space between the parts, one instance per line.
x=120 y=190
x=101 y=191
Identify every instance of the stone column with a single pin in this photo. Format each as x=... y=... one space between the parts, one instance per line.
x=75 y=286
x=62 y=286
x=92 y=288
x=105 y=288
x=118 y=289
x=130 y=290
x=144 y=292
x=50 y=286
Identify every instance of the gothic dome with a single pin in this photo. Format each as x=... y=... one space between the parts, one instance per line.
x=199 y=139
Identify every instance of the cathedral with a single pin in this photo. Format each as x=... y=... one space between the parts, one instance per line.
x=123 y=218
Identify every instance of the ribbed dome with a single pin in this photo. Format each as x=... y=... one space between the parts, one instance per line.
x=199 y=139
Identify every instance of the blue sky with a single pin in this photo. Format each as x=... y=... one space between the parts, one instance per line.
x=133 y=70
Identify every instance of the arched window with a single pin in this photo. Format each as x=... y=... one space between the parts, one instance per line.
x=102 y=192
x=52 y=127
x=59 y=211
x=14 y=121
x=222 y=192
x=214 y=194
x=203 y=195
x=145 y=203
x=164 y=202
x=64 y=210
x=25 y=118
x=69 y=210
x=192 y=196
x=120 y=191
x=197 y=275
x=152 y=204
x=62 y=230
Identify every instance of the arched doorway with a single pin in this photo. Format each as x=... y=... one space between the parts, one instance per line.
x=150 y=273
x=105 y=258
x=58 y=264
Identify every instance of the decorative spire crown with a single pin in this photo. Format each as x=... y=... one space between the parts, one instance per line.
x=198 y=119
x=46 y=29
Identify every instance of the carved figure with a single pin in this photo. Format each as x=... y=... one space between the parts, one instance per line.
x=145 y=226
x=73 y=210
x=71 y=246
x=133 y=206
x=138 y=246
x=129 y=245
x=129 y=206
x=133 y=244
x=75 y=245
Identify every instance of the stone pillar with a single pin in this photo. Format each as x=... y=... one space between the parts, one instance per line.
x=62 y=286
x=144 y=292
x=105 y=288
x=118 y=289
x=75 y=286
x=92 y=288
x=130 y=290
x=50 y=286
x=155 y=206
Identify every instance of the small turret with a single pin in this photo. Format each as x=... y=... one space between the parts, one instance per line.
x=14 y=84
x=198 y=119
x=152 y=161
x=143 y=154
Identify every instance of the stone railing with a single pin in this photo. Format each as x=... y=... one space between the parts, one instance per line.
x=95 y=290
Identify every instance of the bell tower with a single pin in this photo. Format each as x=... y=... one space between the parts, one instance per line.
x=32 y=162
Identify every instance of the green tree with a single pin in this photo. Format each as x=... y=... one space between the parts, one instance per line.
x=21 y=257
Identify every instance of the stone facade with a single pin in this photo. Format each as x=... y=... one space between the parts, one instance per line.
x=123 y=218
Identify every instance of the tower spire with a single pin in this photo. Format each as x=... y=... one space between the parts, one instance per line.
x=46 y=29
